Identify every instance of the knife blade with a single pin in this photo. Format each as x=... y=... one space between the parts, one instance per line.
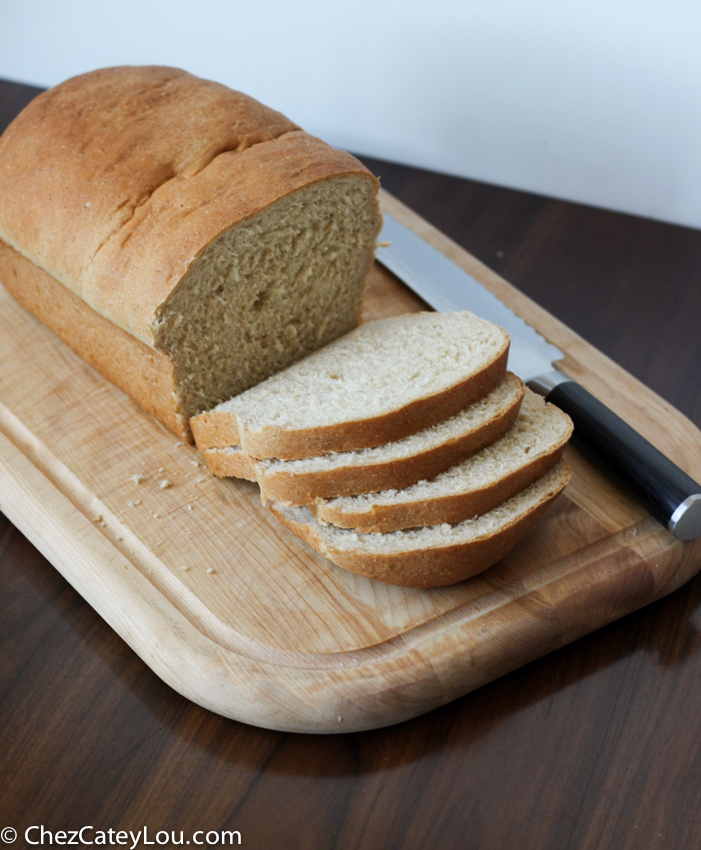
x=668 y=493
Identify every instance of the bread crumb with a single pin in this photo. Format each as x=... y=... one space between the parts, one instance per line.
x=160 y=469
x=137 y=479
x=184 y=568
x=340 y=718
x=165 y=484
x=98 y=518
x=195 y=462
x=178 y=444
x=119 y=537
x=155 y=516
x=210 y=569
x=189 y=507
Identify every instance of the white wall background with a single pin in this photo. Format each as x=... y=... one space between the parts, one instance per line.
x=596 y=101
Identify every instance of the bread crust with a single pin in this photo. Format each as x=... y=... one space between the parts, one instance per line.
x=453 y=508
x=215 y=430
x=229 y=463
x=436 y=566
x=114 y=181
x=221 y=429
x=302 y=488
x=139 y=371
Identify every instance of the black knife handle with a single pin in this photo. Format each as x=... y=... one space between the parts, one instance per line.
x=668 y=493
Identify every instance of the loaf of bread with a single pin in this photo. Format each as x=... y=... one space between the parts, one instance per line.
x=185 y=240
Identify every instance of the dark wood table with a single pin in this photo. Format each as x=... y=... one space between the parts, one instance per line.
x=595 y=746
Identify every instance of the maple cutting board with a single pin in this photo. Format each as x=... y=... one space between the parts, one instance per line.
x=240 y=616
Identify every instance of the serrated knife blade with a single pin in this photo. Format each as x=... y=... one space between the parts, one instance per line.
x=446 y=287
x=667 y=491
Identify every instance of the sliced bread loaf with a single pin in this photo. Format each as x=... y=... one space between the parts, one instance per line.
x=397 y=464
x=435 y=555
x=184 y=239
x=491 y=476
x=379 y=383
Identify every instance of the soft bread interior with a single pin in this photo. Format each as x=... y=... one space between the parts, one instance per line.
x=383 y=381
x=502 y=399
x=269 y=290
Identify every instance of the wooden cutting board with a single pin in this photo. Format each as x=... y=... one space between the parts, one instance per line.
x=241 y=617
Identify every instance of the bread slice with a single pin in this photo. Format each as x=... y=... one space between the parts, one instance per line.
x=184 y=239
x=492 y=476
x=434 y=555
x=396 y=464
x=381 y=382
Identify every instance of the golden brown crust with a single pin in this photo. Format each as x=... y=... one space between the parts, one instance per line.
x=452 y=509
x=433 y=567
x=114 y=181
x=214 y=430
x=291 y=488
x=220 y=429
x=144 y=374
x=228 y=463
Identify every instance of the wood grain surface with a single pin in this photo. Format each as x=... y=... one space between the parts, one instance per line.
x=593 y=746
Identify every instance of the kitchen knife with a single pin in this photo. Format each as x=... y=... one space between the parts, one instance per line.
x=667 y=492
